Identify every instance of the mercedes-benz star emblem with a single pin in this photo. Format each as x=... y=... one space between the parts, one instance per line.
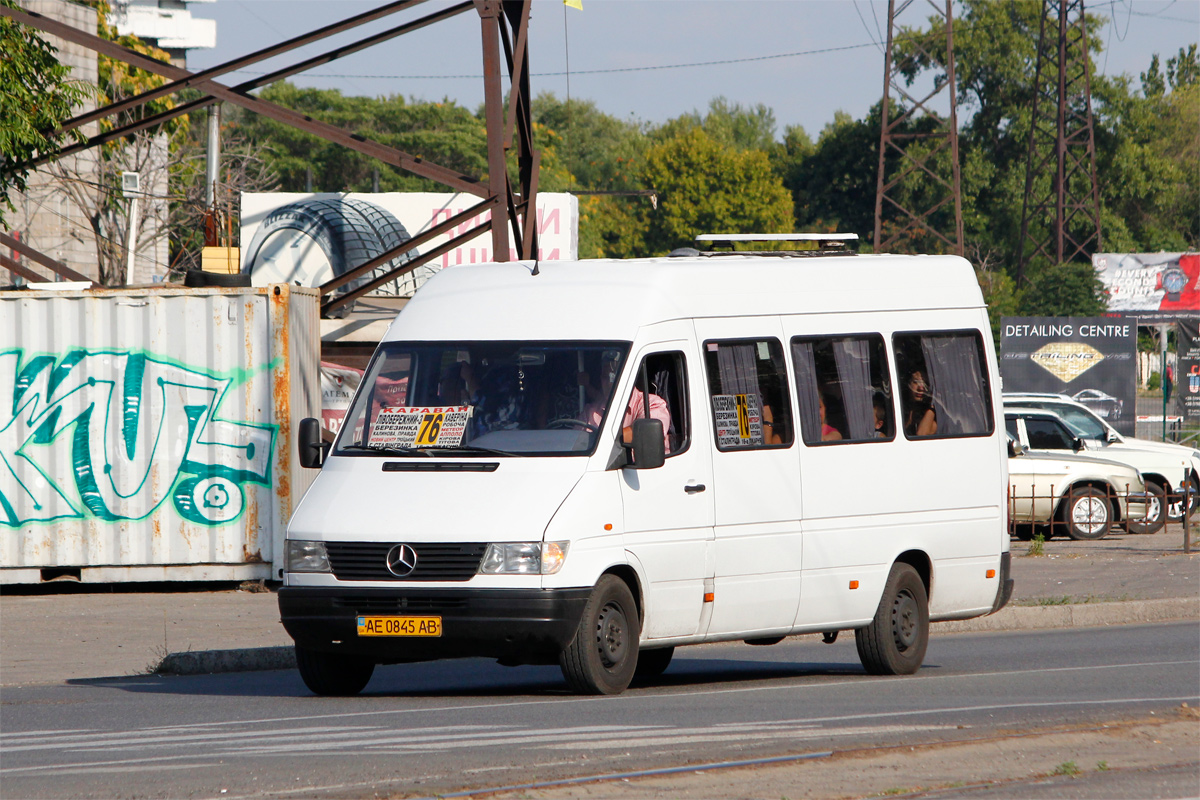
x=401 y=560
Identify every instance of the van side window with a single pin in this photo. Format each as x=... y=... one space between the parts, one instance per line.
x=943 y=387
x=747 y=386
x=844 y=389
x=667 y=376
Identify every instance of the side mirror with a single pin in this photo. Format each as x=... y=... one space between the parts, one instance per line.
x=648 y=448
x=1113 y=436
x=1077 y=444
x=313 y=449
x=1012 y=449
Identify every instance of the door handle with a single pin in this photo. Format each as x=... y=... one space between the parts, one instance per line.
x=692 y=488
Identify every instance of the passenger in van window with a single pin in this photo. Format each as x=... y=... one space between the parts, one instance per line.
x=919 y=417
x=881 y=416
x=828 y=432
x=593 y=412
x=772 y=431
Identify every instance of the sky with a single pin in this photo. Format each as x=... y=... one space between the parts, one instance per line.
x=652 y=60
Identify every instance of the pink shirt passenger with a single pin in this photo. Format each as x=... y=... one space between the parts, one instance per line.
x=636 y=409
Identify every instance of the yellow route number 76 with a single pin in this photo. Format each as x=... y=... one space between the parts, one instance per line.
x=431 y=426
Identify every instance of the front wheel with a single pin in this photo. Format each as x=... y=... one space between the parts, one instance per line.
x=602 y=657
x=333 y=673
x=1156 y=511
x=1175 y=507
x=895 y=641
x=1087 y=513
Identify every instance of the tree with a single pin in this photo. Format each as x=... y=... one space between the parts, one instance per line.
x=729 y=124
x=597 y=150
x=38 y=95
x=706 y=188
x=1064 y=290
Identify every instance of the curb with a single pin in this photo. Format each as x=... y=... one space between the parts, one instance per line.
x=1011 y=618
x=1084 y=615
x=205 y=662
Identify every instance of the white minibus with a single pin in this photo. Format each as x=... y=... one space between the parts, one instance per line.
x=592 y=463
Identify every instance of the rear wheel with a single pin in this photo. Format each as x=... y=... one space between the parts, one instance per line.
x=602 y=657
x=1156 y=511
x=333 y=673
x=895 y=641
x=1087 y=513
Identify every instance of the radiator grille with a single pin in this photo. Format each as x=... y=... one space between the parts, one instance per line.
x=399 y=605
x=367 y=561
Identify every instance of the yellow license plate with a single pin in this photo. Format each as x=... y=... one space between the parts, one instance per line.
x=399 y=626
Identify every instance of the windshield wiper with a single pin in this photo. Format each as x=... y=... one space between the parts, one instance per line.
x=388 y=451
x=470 y=448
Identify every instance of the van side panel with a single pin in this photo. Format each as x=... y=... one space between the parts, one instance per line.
x=757 y=547
x=866 y=503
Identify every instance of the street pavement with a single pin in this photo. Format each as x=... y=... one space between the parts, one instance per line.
x=63 y=632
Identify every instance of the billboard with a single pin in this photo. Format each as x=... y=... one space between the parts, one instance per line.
x=1187 y=376
x=1091 y=359
x=1154 y=287
x=310 y=239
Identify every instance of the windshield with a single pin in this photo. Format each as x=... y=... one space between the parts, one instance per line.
x=491 y=398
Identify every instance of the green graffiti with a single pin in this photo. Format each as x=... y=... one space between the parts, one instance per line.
x=112 y=434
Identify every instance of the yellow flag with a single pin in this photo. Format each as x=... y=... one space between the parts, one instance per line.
x=574 y=4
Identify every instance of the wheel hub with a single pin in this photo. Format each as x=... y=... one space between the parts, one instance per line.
x=610 y=635
x=905 y=619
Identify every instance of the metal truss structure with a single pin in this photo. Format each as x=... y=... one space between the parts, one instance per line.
x=1060 y=215
x=901 y=132
x=504 y=28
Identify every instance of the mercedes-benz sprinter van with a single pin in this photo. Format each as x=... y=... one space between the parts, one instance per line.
x=592 y=463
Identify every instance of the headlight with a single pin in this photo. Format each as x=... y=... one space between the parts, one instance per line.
x=523 y=558
x=306 y=556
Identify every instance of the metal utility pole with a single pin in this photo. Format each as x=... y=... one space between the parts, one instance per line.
x=923 y=146
x=211 y=176
x=1060 y=216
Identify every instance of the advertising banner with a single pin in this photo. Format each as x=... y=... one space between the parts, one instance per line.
x=1187 y=377
x=310 y=239
x=1091 y=359
x=1154 y=287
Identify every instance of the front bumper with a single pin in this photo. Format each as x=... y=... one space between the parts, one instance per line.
x=519 y=626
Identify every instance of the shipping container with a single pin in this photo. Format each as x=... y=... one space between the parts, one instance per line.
x=146 y=434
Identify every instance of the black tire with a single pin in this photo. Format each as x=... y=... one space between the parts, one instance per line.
x=1156 y=512
x=895 y=641
x=602 y=657
x=652 y=663
x=349 y=231
x=331 y=673
x=1087 y=514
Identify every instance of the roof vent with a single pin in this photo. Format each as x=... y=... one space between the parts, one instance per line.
x=779 y=244
x=684 y=252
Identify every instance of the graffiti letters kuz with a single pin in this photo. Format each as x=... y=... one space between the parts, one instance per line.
x=111 y=434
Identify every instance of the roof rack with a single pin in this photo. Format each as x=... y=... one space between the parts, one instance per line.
x=719 y=244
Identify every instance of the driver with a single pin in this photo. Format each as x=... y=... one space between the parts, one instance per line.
x=593 y=412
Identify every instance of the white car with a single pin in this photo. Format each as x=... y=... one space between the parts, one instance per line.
x=1170 y=470
x=1080 y=495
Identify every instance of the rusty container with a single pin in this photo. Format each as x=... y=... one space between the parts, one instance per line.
x=147 y=434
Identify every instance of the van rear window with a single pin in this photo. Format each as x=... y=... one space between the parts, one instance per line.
x=944 y=389
x=844 y=390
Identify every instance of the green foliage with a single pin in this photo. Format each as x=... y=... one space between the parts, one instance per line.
x=1065 y=290
x=832 y=183
x=1154 y=382
x=36 y=97
x=1068 y=768
x=444 y=133
x=731 y=125
x=706 y=188
x=597 y=149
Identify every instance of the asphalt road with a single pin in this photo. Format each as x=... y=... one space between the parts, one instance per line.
x=433 y=729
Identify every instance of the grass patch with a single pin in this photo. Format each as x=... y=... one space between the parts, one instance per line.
x=1036 y=545
x=1068 y=768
